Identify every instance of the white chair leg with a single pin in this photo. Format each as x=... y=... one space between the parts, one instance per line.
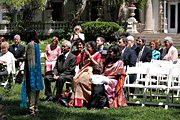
x=166 y=107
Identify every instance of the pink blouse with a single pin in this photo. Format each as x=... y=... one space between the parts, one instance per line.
x=51 y=57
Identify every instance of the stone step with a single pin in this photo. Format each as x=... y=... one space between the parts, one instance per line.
x=149 y=37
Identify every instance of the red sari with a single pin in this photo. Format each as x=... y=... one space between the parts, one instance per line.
x=81 y=83
x=115 y=91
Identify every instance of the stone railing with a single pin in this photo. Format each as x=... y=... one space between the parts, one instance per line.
x=44 y=28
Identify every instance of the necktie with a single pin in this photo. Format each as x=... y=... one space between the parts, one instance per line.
x=139 y=56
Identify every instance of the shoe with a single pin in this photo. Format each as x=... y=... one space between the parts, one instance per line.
x=63 y=101
x=50 y=98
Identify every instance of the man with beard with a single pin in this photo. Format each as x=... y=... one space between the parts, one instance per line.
x=144 y=53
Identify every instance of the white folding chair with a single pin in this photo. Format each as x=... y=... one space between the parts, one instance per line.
x=158 y=80
x=175 y=82
x=140 y=73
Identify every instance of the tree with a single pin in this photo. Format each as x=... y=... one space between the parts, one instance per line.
x=116 y=8
x=27 y=7
x=80 y=6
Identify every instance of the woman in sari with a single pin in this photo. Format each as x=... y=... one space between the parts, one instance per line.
x=33 y=77
x=114 y=70
x=79 y=53
x=81 y=83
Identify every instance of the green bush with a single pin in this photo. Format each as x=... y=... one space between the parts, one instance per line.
x=65 y=33
x=104 y=29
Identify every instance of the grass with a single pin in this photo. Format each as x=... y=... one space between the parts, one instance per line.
x=54 y=111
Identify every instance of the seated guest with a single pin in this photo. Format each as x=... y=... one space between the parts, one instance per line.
x=158 y=46
x=17 y=50
x=156 y=55
x=100 y=43
x=82 y=88
x=75 y=36
x=79 y=53
x=51 y=54
x=98 y=97
x=2 y=39
x=7 y=58
x=64 y=69
x=144 y=53
x=170 y=53
x=114 y=70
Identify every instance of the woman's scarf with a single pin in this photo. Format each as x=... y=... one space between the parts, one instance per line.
x=33 y=74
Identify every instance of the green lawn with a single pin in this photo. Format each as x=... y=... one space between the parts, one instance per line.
x=53 y=111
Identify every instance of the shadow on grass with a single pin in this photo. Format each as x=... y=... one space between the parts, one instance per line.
x=53 y=111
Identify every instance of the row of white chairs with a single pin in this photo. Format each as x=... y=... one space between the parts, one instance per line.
x=162 y=76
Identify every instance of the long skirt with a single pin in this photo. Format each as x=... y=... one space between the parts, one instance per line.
x=115 y=93
x=82 y=87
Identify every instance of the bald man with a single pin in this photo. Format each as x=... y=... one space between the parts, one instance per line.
x=17 y=50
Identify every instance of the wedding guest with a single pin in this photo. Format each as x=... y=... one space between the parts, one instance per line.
x=144 y=53
x=33 y=77
x=52 y=52
x=82 y=88
x=18 y=50
x=77 y=34
x=64 y=69
x=170 y=53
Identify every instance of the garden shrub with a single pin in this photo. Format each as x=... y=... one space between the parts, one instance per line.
x=104 y=29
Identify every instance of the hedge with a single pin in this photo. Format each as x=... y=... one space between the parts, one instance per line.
x=105 y=29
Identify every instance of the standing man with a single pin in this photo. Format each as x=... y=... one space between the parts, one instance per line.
x=131 y=42
x=17 y=50
x=128 y=55
x=64 y=69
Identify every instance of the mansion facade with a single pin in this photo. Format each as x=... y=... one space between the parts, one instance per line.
x=158 y=16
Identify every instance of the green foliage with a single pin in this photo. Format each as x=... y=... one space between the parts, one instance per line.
x=64 y=34
x=104 y=29
x=20 y=3
x=140 y=3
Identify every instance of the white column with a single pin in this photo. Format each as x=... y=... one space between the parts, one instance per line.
x=1 y=12
x=165 y=17
x=149 y=17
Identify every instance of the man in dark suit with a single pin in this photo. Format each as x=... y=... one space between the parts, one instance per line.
x=64 y=69
x=145 y=53
x=128 y=55
x=100 y=44
x=17 y=50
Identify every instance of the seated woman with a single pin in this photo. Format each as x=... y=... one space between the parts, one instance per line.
x=7 y=58
x=156 y=54
x=79 y=53
x=114 y=70
x=82 y=88
x=51 y=54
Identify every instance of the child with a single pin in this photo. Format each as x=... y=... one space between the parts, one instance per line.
x=98 y=96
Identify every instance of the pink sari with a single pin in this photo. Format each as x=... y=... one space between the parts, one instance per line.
x=81 y=83
x=115 y=91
